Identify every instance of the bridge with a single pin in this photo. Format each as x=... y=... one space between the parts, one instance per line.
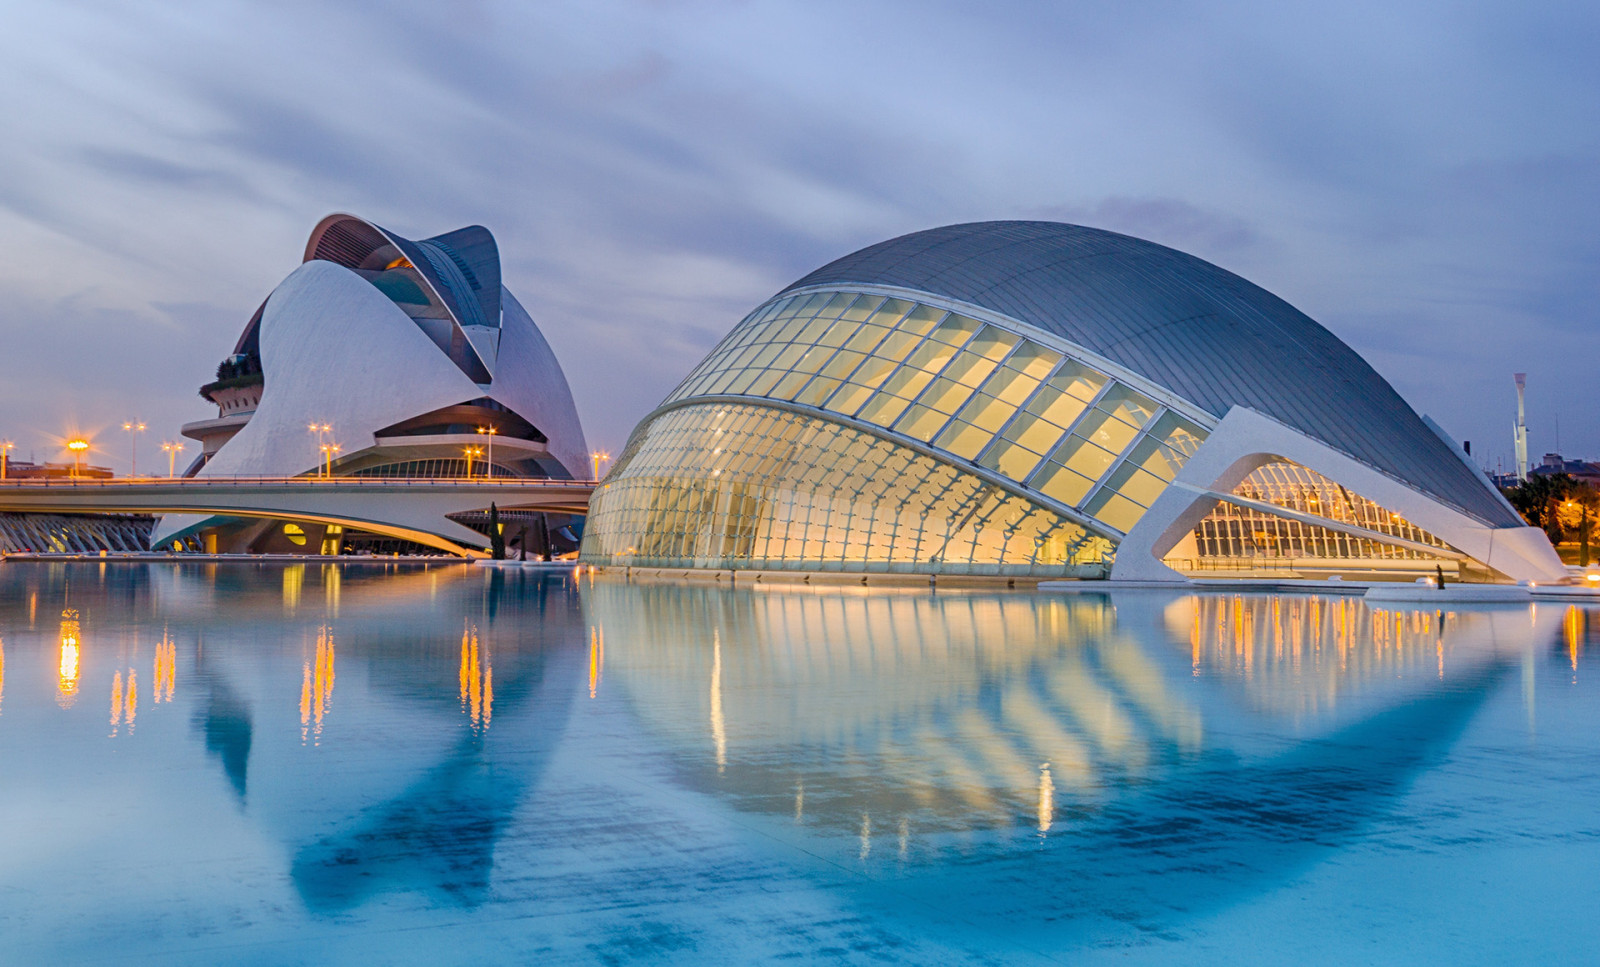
x=412 y=509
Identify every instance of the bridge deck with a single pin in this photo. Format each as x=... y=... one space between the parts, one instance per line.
x=413 y=508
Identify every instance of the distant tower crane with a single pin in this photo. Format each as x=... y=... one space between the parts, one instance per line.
x=1521 y=429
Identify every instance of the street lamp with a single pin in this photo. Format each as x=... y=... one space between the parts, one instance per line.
x=471 y=452
x=328 y=450
x=598 y=456
x=488 y=463
x=5 y=448
x=319 y=429
x=77 y=445
x=172 y=450
x=134 y=428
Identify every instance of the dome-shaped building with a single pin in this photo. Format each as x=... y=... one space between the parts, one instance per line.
x=395 y=352
x=1033 y=399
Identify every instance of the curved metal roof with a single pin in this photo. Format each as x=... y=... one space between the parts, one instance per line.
x=1203 y=332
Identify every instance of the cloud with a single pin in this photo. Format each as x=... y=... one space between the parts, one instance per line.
x=1170 y=221
x=1418 y=177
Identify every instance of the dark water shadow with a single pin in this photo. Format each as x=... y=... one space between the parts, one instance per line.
x=438 y=837
x=1209 y=835
x=225 y=722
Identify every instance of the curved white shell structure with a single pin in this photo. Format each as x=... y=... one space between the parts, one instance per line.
x=400 y=354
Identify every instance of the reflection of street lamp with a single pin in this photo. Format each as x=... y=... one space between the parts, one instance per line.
x=471 y=452
x=488 y=463
x=77 y=446
x=172 y=450
x=67 y=669
x=5 y=448
x=597 y=456
x=328 y=450
x=134 y=428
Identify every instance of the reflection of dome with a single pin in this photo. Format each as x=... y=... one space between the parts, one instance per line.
x=1015 y=398
x=835 y=703
x=400 y=351
x=850 y=701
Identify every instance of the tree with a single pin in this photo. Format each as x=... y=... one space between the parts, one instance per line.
x=497 y=539
x=1555 y=502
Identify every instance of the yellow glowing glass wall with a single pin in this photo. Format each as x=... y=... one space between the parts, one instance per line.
x=727 y=485
x=1231 y=532
x=972 y=389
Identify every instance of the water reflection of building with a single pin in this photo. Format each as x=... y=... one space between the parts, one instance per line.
x=1299 y=654
x=67 y=666
x=884 y=710
x=124 y=703
x=165 y=673
x=316 y=687
x=475 y=680
x=941 y=705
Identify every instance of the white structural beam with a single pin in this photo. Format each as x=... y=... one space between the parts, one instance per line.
x=1246 y=440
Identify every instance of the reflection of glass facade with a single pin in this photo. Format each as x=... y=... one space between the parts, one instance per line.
x=969 y=388
x=745 y=486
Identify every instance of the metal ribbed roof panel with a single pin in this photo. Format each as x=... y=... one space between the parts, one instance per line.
x=1201 y=331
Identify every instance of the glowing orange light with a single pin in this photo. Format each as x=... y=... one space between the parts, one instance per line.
x=77 y=445
x=165 y=672
x=132 y=700
x=116 y=702
x=316 y=688
x=67 y=669
x=476 y=679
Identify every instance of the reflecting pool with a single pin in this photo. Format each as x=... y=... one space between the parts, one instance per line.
x=328 y=764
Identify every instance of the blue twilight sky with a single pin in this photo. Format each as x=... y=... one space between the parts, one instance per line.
x=1422 y=178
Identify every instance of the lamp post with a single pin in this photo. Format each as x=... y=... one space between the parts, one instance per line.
x=77 y=445
x=5 y=448
x=172 y=450
x=134 y=428
x=328 y=450
x=597 y=456
x=470 y=453
x=319 y=429
x=488 y=463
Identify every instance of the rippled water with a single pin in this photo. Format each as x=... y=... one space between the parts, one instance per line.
x=325 y=765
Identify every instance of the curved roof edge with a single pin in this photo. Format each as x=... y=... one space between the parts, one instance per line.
x=1207 y=334
x=348 y=240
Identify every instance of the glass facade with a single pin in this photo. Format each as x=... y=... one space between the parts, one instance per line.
x=1232 y=534
x=722 y=485
x=1052 y=423
x=435 y=467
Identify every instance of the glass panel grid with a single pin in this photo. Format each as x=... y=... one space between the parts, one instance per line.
x=733 y=485
x=1232 y=535
x=970 y=388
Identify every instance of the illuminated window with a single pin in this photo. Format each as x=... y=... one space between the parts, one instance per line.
x=795 y=492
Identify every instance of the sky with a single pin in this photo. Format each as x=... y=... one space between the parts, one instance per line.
x=1421 y=178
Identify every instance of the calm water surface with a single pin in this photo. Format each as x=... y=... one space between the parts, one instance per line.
x=325 y=765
